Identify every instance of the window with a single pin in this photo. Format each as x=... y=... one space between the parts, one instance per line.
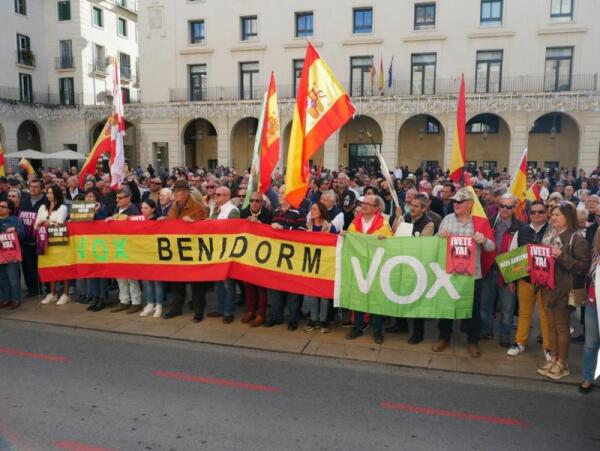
x=66 y=54
x=561 y=9
x=21 y=7
x=548 y=123
x=361 y=80
x=122 y=27
x=64 y=10
x=424 y=15
x=125 y=95
x=304 y=24
x=97 y=17
x=249 y=26
x=491 y=12
x=363 y=156
x=490 y=166
x=362 y=21
x=297 y=65
x=433 y=126
x=25 y=88
x=422 y=77
x=99 y=58
x=125 y=65
x=66 y=91
x=551 y=165
x=197 y=32
x=559 y=62
x=24 y=54
x=484 y=124
x=248 y=80
x=197 y=76
x=488 y=72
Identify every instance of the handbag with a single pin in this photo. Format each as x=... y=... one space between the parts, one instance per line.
x=577 y=296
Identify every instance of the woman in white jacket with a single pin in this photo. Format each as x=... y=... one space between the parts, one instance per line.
x=52 y=213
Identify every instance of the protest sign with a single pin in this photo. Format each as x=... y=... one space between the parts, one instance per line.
x=541 y=265
x=10 y=250
x=28 y=220
x=513 y=265
x=58 y=235
x=460 y=255
x=401 y=277
x=82 y=211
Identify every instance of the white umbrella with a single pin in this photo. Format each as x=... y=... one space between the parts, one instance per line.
x=65 y=155
x=28 y=153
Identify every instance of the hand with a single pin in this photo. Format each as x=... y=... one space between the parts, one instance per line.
x=10 y=230
x=479 y=238
x=399 y=213
x=443 y=234
x=556 y=251
x=343 y=233
x=110 y=218
x=187 y=219
x=252 y=219
x=381 y=237
x=277 y=226
x=162 y=218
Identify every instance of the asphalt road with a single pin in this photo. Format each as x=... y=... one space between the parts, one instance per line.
x=64 y=388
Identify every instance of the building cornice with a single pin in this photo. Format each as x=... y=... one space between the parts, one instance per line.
x=248 y=48
x=424 y=37
x=362 y=41
x=196 y=50
x=562 y=30
x=301 y=44
x=491 y=34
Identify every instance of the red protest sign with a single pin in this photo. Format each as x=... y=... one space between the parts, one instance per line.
x=10 y=250
x=460 y=255
x=541 y=265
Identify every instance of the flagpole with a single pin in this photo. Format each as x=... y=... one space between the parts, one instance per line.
x=255 y=168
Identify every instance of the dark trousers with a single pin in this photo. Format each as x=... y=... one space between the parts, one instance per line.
x=30 y=269
x=418 y=325
x=198 y=296
x=472 y=326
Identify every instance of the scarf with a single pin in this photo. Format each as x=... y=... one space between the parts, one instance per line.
x=376 y=224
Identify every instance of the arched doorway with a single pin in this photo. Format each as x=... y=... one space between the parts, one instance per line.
x=421 y=143
x=29 y=137
x=243 y=135
x=488 y=143
x=553 y=142
x=318 y=159
x=358 y=139
x=200 y=144
x=129 y=144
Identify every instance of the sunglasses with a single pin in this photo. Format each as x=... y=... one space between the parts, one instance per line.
x=255 y=200
x=4 y=206
x=219 y=194
x=507 y=207
x=537 y=212
x=370 y=205
x=459 y=202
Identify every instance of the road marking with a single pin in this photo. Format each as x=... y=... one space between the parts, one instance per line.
x=76 y=446
x=213 y=381
x=34 y=355
x=454 y=414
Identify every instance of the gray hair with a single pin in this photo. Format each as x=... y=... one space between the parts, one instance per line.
x=16 y=191
x=423 y=200
x=329 y=193
x=508 y=196
x=380 y=202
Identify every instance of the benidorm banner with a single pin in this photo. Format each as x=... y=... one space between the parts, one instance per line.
x=294 y=261
x=402 y=277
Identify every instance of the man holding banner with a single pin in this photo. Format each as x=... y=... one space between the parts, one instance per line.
x=460 y=223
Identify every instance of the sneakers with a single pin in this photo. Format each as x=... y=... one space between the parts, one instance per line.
x=542 y=370
x=157 y=311
x=50 y=298
x=147 y=310
x=310 y=325
x=324 y=329
x=557 y=371
x=515 y=350
x=64 y=299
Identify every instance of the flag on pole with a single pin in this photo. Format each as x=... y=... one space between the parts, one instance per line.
x=390 y=73
x=269 y=138
x=26 y=166
x=534 y=192
x=2 y=173
x=321 y=108
x=387 y=176
x=117 y=132
x=481 y=224
x=518 y=187
x=381 y=83
x=253 y=181
x=101 y=146
x=459 y=153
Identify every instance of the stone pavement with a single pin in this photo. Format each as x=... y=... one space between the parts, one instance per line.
x=395 y=350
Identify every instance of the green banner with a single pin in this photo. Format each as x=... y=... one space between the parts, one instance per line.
x=513 y=265
x=401 y=277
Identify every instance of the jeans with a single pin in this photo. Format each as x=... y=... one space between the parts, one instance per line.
x=592 y=343
x=154 y=292
x=129 y=291
x=506 y=302
x=376 y=321
x=318 y=308
x=10 y=280
x=226 y=293
x=96 y=288
x=277 y=300
x=472 y=326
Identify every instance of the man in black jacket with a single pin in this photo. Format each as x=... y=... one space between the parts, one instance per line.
x=30 y=204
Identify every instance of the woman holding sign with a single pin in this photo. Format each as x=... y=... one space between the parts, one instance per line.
x=11 y=231
x=572 y=263
x=53 y=212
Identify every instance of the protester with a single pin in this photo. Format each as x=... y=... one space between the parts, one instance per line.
x=591 y=346
x=30 y=203
x=10 y=269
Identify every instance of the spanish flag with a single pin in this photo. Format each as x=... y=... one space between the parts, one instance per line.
x=322 y=107
x=1 y=161
x=518 y=187
x=534 y=192
x=459 y=152
x=101 y=146
x=269 y=141
x=481 y=224
x=26 y=166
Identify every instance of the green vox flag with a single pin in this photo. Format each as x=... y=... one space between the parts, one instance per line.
x=513 y=265
x=401 y=277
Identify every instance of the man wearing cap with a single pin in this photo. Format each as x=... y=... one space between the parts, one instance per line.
x=188 y=210
x=461 y=223
x=154 y=192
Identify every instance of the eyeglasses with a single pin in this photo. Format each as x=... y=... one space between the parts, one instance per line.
x=459 y=202
x=4 y=206
x=367 y=203
x=219 y=194
x=210 y=187
x=537 y=212
x=121 y=197
x=507 y=207
x=255 y=200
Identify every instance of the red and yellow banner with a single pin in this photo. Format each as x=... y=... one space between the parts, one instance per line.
x=269 y=141
x=459 y=152
x=293 y=261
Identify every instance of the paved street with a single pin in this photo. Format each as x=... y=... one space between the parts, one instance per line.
x=64 y=388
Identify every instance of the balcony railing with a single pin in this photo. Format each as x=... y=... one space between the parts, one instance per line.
x=98 y=66
x=125 y=72
x=64 y=62
x=26 y=58
x=38 y=98
x=510 y=85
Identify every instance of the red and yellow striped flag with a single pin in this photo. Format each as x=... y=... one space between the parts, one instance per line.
x=481 y=224
x=270 y=138
x=518 y=187
x=2 y=173
x=322 y=107
x=101 y=146
x=534 y=192
x=26 y=166
x=459 y=151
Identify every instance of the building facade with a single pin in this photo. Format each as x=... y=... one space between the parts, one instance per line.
x=531 y=72
x=56 y=80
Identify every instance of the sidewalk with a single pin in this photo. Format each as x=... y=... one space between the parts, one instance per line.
x=395 y=350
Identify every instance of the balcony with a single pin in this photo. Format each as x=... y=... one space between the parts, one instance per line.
x=125 y=72
x=13 y=95
x=402 y=88
x=26 y=58
x=64 y=62
x=129 y=5
x=99 y=66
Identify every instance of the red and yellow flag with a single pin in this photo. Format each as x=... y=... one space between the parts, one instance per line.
x=101 y=146
x=518 y=187
x=534 y=192
x=26 y=166
x=481 y=224
x=2 y=173
x=322 y=107
x=459 y=152
x=270 y=138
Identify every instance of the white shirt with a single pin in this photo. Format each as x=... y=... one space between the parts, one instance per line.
x=58 y=216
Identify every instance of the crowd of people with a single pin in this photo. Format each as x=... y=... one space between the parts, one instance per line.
x=567 y=218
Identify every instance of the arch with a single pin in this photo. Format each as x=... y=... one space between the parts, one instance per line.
x=199 y=138
x=554 y=141
x=421 y=141
x=29 y=136
x=243 y=135
x=285 y=143
x=2 y=138
x=488 y=143
x=356 y=142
